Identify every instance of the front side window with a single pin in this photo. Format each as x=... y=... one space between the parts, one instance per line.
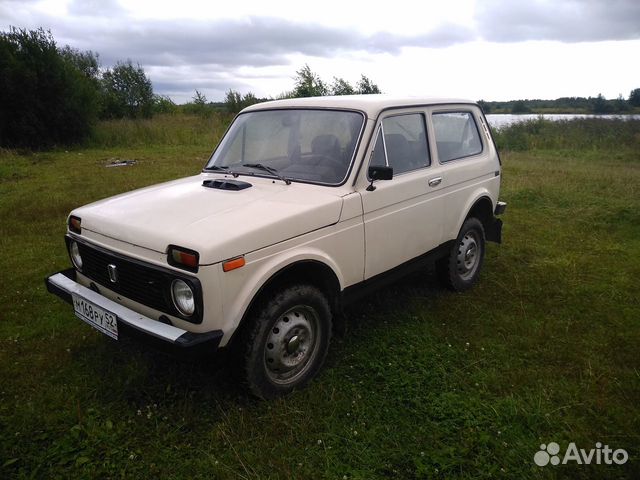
x=456 y=135
x=402 y=143
x=306 y=145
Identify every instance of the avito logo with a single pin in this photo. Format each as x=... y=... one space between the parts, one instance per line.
x=550 y=454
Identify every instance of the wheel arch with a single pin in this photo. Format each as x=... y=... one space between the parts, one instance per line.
x=482 y=207
x=311 y=271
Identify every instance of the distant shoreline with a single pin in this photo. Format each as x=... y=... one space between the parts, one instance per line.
x=498 y=120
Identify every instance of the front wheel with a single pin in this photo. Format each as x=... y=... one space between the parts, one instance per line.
x=460 y=269
x=287 y=341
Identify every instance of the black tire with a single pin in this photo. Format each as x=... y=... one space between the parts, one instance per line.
x=460 y=269
x=286 y=341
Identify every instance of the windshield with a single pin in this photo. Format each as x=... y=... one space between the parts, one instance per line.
x=306 y=145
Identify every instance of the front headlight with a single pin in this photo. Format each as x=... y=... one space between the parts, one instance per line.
x=183 y=297
x=76 y=258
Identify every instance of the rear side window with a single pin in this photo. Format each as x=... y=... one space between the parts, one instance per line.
x=402 y=143
x=456 y=135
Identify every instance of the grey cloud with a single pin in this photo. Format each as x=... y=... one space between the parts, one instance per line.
x=183 y=55
x=95 y=7
x=267 y=41
x=254 y=41
x=190 y=83
x=442 y=36
x=560 y=20
x=231 y=43
x=180 y=83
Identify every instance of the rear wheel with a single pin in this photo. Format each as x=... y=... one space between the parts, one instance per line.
x=287 y=341
x=461 y=268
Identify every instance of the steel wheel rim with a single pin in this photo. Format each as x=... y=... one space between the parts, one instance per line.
x=292 y=344
x=469 y=254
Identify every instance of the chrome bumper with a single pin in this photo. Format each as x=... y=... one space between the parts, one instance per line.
x=63 y=284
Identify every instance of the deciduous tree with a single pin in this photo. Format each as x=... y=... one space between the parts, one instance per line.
x=127 y=92
x=45 y=98
x=366 y=86
x=341 y=87
x=309 y=84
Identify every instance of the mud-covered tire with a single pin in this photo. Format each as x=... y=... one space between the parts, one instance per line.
x=286 y=341
x=460 y=269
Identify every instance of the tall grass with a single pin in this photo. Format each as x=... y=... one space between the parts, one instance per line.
x=165 y=129
x=206 y=131
x=578 y=134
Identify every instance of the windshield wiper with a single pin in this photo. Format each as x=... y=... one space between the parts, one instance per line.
x=221 y=168
x=216 y=167
x=270 y=170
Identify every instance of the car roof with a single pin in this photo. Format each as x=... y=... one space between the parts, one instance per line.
x=372 y=105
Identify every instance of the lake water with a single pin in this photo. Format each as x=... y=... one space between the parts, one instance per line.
x=498 y=120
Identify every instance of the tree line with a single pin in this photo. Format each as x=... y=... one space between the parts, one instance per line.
x=53 y=96
x=595 y=105
x=307 y=83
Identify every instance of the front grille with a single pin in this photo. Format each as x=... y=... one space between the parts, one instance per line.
x=142 y=283
x=135 y=281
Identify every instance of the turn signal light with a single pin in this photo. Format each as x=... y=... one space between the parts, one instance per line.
x=232 y=264
x=183 y=258
x=75 y=225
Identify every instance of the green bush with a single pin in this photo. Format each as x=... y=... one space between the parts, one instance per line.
x=577 y=134
x=235 y=101
x=163 y=104
x=44 y=98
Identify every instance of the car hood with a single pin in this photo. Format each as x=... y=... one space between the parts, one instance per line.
x=218 y=224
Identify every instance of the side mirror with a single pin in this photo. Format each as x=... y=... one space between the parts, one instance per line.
x=379 y=172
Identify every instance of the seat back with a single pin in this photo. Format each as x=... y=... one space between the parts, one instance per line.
x=327 y=145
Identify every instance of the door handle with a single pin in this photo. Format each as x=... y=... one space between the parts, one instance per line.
x=434 y=182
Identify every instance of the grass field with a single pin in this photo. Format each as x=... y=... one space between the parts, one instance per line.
x=423 y=383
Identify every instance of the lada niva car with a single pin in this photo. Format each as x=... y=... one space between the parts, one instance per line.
x=303 y=206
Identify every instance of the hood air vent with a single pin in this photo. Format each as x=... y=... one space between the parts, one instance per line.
x=224 y=184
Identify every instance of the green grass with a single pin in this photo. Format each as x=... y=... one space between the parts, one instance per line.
x=423 y=383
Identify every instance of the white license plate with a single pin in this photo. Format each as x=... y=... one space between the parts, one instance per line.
x=96 y=316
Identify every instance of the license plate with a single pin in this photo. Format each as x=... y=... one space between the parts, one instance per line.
x=96 y=316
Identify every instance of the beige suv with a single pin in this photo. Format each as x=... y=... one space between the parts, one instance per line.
x=305 y=205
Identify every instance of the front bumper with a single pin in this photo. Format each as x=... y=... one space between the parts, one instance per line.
x=63 y=284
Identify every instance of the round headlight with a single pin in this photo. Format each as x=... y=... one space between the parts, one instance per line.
x=75 y=255
x=183 y=298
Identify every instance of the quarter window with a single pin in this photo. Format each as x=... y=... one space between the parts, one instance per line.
x=379 y=157
x=456 y=135
x=402 y=143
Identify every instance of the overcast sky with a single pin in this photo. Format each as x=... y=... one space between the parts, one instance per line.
x=478 y=49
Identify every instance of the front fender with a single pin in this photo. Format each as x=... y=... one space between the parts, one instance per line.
x=240 y=286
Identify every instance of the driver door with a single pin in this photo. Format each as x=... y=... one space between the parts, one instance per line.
x=402 y=216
